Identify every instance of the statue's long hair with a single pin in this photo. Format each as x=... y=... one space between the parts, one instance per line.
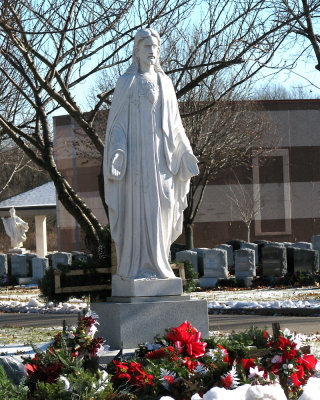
x=139 y=36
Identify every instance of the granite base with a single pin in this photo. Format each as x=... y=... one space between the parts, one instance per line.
x=145 y=287
x=126 y=325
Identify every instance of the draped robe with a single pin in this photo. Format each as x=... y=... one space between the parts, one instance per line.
x=147 y=200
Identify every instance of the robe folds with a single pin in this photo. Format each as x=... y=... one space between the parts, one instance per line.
x=146 y=201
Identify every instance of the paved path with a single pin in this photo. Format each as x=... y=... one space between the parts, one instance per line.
x=227 y=323
x=221 y=322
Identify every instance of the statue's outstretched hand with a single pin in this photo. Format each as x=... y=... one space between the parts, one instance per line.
x=190 y=163
x=117 y=165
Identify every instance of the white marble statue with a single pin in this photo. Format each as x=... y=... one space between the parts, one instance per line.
x=16 y=229
x=148 y=163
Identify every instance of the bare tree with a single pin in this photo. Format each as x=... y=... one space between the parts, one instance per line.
x=246 y=202
x=48 y=48
x=223 y=138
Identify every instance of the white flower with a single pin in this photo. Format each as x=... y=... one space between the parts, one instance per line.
x=276 y=359
x=103 y=380
x=200 y=369
x=71 y=335
x=167 y=378
x=290 y=366
x=284 y=366
x=213 y=353
x=254 y=373
x=152 y=346
x=64 y=380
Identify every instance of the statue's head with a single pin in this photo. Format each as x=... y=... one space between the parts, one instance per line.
x=12 y=212
x=149 y=36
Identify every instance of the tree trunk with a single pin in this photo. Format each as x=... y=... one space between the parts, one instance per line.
x=188 y=228
x=248 y=233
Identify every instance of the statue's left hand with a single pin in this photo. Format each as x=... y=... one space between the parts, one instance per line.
x=191 y=163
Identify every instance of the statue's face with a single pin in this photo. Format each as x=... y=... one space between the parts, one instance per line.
x=148 y=50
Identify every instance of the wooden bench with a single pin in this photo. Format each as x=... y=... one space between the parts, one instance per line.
x=84 y=288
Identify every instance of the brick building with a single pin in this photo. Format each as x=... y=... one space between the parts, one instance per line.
x=285 y=187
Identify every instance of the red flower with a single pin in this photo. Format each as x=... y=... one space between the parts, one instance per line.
x=308 y=361
x=191 y=365
x=226 y=381
x=248 y=363
x=295 y=379
x=156 y=354
x=188 y=338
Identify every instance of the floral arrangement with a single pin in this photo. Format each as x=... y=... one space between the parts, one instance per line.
x=72 y=349
x=178 y=366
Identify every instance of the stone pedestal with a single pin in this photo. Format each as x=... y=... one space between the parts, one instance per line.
x=125 y=325
x=145 y=287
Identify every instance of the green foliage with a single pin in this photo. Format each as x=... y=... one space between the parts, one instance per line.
x=46 y=285
x=10 y=391
x=237 y=343
x=84 y=385
x=232 y=282
x=191 y=276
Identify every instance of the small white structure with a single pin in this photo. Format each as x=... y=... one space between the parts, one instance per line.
x=16 y=228
x=38 y=202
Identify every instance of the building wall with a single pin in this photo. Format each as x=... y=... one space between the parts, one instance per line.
x=285 y=186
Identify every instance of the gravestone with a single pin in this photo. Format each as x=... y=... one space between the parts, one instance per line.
x=315 y=240
x=274 y=261
x=305 y=260
x=235 y=243
x=81 y=257
x=200 y=254
x=274 y=244
x=61 y=258
x=215 y=267
x=251 y=246
x=229 y=250
x=290 y=260
x=30 y=257
x=188 y=255
x=302 y=245
x=175 y=248
x=245 y=265
x=39 y=267
x=19 y=266
x=3 y=264
x=260 y=244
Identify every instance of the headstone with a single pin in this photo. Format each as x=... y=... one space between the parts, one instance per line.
x=188 y=255
x=81 y=257
x=290 y=260
x=215 y=267
x=30 y=257
x=235 y=243
x=229 y=250
x=305 y=260
x=274 y=244
x=39 y=266
x=19 y=266
x=175 y=248
x=200 y=252
x=302 y=245
x=245 y=263
x=61 y=258
x=315 y=240
x=274 y=261
x=3 y=264
x=251 y=246
x=261 y=244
